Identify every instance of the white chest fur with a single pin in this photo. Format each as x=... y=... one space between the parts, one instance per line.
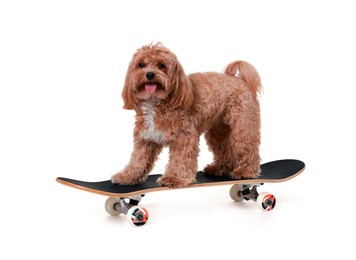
x=150 y=133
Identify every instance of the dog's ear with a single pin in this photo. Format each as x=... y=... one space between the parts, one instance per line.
x=182 y=92
x=130 y=101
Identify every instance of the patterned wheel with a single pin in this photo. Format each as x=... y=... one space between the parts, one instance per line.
x=266 y=201
x=137 y=216
x=234 y=193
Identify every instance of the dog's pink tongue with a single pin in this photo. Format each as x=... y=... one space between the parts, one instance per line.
x=150 y=88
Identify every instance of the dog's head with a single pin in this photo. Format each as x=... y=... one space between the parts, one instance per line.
x=155 y=75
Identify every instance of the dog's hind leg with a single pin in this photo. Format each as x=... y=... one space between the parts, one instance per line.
x=218 y=141
x=245 y=140
x=235 y=145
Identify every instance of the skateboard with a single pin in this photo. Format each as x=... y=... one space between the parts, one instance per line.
x=125 y=198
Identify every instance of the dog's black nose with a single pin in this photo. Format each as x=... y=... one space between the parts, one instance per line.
x=150 y=75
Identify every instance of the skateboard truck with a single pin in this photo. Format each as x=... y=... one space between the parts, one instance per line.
x=249 y=193
x=265 y=200
x=137 y=216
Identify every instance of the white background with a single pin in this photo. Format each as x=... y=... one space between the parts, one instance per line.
x=62 y=68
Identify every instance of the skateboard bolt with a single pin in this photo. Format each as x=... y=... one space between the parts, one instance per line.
x=269 y=202
x=139 y=216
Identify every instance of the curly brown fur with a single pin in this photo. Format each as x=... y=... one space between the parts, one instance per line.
x=173 y=109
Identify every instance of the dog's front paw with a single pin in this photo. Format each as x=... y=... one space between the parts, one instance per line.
x=216 y=170
x=127 y=178
x=242 y=173
x=174 y=181
x=121 y=178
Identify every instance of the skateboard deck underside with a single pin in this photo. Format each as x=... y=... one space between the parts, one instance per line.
x=276 y=171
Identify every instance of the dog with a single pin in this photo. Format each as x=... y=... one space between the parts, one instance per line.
x=173 y=109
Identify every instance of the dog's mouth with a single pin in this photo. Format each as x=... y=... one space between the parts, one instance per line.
x=151 y=87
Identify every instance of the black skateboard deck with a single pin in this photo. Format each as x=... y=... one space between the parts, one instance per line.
x=125 y=198
x=276 y=171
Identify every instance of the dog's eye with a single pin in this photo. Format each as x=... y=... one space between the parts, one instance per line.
x=161 y=66
x=141 y=65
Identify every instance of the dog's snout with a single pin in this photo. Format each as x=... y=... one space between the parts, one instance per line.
x=150 y=75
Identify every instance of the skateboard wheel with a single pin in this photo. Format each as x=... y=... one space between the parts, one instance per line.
x=266 y=201
x=137 y=216
x=234 y=193
x=110 y=206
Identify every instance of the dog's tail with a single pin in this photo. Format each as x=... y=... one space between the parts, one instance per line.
x=247 y=73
